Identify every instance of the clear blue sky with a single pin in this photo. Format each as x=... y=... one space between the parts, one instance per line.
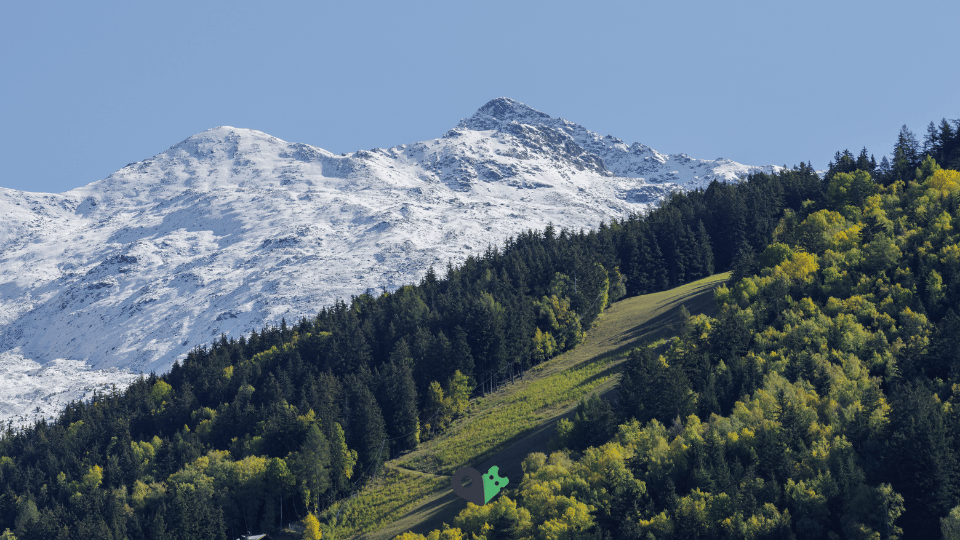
x=88 y=87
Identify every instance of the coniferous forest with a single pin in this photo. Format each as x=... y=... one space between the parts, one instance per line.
x=820 y=402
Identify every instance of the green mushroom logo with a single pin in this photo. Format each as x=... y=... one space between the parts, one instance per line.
x=482 y=488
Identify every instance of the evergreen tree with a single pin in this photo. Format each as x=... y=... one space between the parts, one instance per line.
x=949 y=146
x=398 y=396
x=866 y=163
x=638 y=255
x=462 y=357
x=486 y=323
x=745 y=263
x=652 y=389
x=197 y=516
x=945 y=348
x=157 y=528
x=704 y=252
x=655 y=270
x=931 y=141
x=367 y=431
x=593 y=423
x=884 y=170
x=311 y=467
x=920 y=462
x=906 y=156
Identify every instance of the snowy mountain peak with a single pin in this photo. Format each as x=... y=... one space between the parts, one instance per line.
x=224 y=157
x=231 y=229
x=581 y=148
x=224 y=139
x=504 y=110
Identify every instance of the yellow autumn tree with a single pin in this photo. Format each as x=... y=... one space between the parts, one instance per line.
x=544 y=346
x=458 y=393
x=446 y=534
x=950 y=525
x=93 y=478
x=311 y=529
x=944 y=182
x=850 y=189
x=439 y=405
x=816 y=232
x=800 y=266
x=558 y=319
x=504 y=512
x=160 y=393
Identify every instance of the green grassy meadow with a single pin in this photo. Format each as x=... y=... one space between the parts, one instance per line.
x=412 y=492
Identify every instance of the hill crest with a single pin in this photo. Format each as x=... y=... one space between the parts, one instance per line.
x=231 y=229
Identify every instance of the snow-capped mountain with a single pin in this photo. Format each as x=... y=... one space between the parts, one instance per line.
x=233 y=229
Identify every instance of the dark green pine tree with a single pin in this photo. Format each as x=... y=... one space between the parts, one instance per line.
x=485 y=329
x=650 y=389
x=685 y=256
x=424 y=357
x=704 y=251
x=919 y=459
x=595 y=422
x=727 y=222
x=93 y=527
x=440 y=356
x=156 y=528
x=946 y=133
x=772 y=455
x=906 y=156
x=462 y=357
x=931 y=141
x=350 y=351
x=655 y=269
x=324 y=395
x=398 y=397
x=945 y=349
x=731 y=335
x=49 y=525
x=737 y=227
x=366 y=430
x=744 y=264
x=631 y=262
x=866 y=162
x=677 y=247
x=519 y=329
x=194 y=514
x=401 y=354
x=884 y=171
x=791 y=421
x=843 y=162
x=950 y=145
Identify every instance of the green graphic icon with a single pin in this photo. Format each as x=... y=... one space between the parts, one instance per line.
x=492 y=483
x=482 y=488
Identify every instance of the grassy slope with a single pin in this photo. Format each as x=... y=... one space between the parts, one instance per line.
x=504 y=427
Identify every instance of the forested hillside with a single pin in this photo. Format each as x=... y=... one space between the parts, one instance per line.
x=823 y=401
x=829 y=361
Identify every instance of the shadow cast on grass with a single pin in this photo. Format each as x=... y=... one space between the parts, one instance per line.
x=509 y=454
x=698 y=301
x=665 y=324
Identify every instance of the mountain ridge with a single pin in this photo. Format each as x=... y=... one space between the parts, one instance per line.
x=231 y=229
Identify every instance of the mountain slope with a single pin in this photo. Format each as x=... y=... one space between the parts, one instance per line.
x=629 y=323
x=233 y=229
